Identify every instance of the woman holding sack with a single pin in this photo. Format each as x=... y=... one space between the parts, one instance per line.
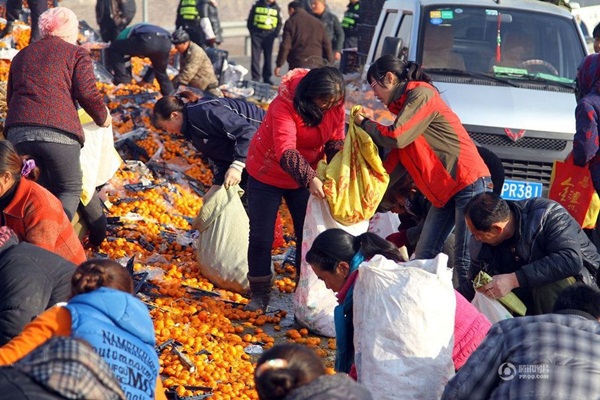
x=428 y=139
x=336 y=256
x=304 y=123
x=46 y=81
x=219 y=128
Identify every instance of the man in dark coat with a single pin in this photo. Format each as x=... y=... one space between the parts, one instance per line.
x=553 y=356
x=531 y=247
x=32 y=279
x=304 y=42
x=113 y=16
x=332 y=24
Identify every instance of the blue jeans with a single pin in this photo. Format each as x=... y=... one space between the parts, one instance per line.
x=263 y=204
x=441 y=221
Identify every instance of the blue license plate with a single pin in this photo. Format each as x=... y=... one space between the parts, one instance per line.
x=518 y=190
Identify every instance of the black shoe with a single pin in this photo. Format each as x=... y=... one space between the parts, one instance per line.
x=270 y=82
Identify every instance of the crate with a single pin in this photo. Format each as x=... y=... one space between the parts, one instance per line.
x=263 y=92
x=100 y=54
x=351 y=61
x=218 y=58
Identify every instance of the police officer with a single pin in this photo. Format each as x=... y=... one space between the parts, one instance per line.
x=188 y=18
x=349 y=23
x=264 y=24
x=142 y=40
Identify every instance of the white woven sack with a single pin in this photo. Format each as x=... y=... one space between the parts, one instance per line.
x=404 y=327
x=222 y=244
x=313 y=302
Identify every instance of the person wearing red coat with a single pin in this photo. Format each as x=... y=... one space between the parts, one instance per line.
x=32 y=212
x=304 y=123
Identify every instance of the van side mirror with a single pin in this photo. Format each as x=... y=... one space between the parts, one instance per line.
x=391 y=45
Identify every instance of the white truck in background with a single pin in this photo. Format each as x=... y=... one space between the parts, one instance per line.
x=523 y=112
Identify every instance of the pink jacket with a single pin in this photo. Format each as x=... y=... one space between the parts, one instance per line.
x=283 y=129
x=470 y=328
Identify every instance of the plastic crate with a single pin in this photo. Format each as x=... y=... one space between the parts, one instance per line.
x=218 y=58
x=263 y=92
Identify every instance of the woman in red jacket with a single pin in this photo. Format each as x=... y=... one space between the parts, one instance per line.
x=32 y=212
x=46 y=81
x=428 y=139
x=304 y=123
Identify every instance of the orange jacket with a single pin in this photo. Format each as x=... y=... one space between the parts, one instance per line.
x=55 y=321
x=428 y=138
x=37 y=217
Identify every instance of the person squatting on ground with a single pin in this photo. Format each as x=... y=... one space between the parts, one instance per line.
x=32 y=212
x=32 y=279
x=196 y=69
x=426 y=128
x=531 y=247
x=264 y=23
x=304 y=123
x=46 y=81
x=142 y=40
x=553 y=356
x=336 y=256
x=295 y=372
x=304 y=42
x=104 y=312
x=221 y=129
x=61 y=368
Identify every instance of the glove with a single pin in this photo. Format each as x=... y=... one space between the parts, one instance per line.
x=398 y=238
x=232 y=177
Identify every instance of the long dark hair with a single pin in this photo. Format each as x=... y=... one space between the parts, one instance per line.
x=285 y=367
x=169 y=104
x=406 y=71
x=335 y=245
x=100 y=272
x=324 y=83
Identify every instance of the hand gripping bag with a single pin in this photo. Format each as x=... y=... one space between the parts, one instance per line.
x=404 y=327
x=313 y=302
x=222 y=244
x=355 y=180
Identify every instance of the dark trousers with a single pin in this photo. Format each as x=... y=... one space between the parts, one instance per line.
x=93 y=214
x=37 y=7
x=60 y=171
x=154 y=46
x=195 y=31
x=262 y=45
x=109 y=30
x=263 y=203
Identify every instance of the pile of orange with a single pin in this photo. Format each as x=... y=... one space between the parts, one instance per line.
x=203 y=331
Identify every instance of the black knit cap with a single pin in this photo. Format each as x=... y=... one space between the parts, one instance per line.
x=180 y=36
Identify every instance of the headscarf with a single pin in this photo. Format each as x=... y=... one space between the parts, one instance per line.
x=588 y=75
x=60 y=22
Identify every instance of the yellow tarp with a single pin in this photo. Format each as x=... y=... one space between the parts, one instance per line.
x=354 y=181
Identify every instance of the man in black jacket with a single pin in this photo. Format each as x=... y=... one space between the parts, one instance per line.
x=531 y=247
x=113 y=16
x=32 y=279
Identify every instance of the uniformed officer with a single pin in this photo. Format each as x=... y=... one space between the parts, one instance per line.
x=264 y=24
x=349 y=23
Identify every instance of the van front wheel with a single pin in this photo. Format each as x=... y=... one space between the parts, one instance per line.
x=536 y=65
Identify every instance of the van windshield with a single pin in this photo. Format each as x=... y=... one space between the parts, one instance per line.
x=513 y=44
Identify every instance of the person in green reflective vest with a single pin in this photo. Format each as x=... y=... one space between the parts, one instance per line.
x=264 y=24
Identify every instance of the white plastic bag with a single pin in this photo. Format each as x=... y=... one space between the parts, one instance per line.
x=313 y=302
x=492 y=309
x=404 y=327
x=99 y=159
x=222 y=244
x=384 y=224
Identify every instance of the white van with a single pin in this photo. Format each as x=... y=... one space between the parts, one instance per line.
x=507 y=69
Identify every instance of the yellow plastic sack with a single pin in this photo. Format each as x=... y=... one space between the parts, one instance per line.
x=354 y=181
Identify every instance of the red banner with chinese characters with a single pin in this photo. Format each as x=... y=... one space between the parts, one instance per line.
x=571 y=186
